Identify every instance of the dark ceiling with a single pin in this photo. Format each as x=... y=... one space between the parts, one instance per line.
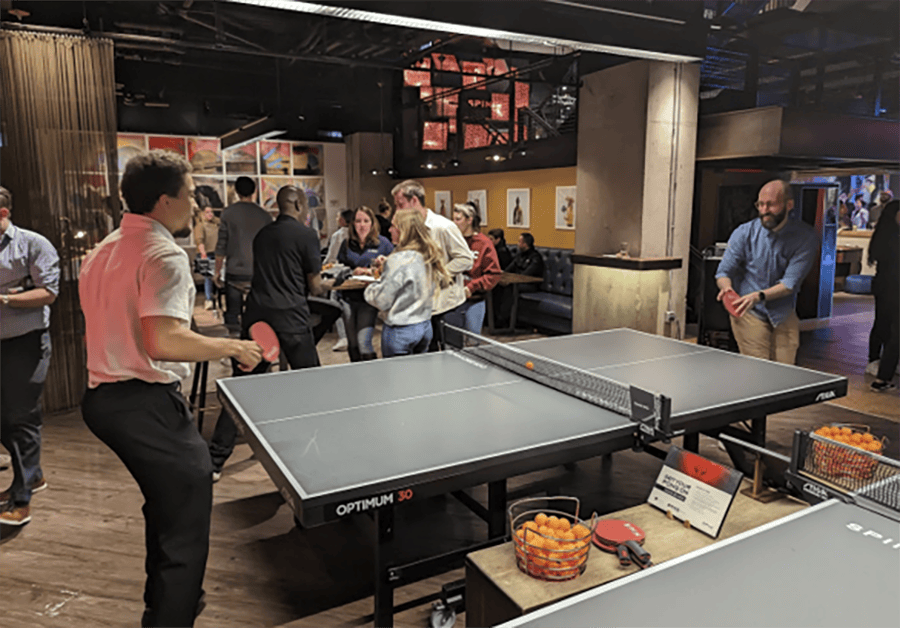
x=201 y=67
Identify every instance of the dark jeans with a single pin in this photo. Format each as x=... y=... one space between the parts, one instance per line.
x=234 y=299
x=300 y=351
x=360 y=326
x=881 y=327
x=150 y=428
x=887 y=316
x=23 y=370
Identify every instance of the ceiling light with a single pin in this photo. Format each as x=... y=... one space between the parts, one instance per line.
x=475 y=31
x=374 y=172
x=391 y=172
x=495 y=157
x=430 y=166
x=454 y=163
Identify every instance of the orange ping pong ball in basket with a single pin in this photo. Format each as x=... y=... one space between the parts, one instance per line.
x=529 y=365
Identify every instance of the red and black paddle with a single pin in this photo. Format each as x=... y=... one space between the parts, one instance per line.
x=624 y=539
x=263 y=334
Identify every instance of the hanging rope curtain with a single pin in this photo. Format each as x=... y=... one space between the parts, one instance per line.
x=58 y=124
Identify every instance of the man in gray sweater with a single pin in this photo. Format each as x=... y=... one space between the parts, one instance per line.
x=239 y=224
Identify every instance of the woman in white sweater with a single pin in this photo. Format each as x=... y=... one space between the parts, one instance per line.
x=409 y=277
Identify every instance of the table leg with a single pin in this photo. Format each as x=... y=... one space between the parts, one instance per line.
x=691 y=442
x=489 y=297
x=201 y=403
x=497 y=509
x=758 y=431
x=515 y=308
x=384 y=590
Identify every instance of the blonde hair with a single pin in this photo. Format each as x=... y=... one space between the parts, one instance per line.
x=414 y=236
x=468 y=210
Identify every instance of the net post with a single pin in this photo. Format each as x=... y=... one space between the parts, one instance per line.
x=665 y=418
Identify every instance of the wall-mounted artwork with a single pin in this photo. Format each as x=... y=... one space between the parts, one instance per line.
x=316 y=217
x=307 y=159
x=443 y=204
x=269 y=190
x=518 y=208
x=274 y=158
x=209 y=192
x=177 y=145
x=128 y=146
x=204 y=155
x=565 y=207
x=241 y=160
x=479 y=197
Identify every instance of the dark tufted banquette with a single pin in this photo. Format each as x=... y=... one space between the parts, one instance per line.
x=550 y=308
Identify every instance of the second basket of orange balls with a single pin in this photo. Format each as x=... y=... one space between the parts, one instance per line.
x=551 y=542
x=842 y=460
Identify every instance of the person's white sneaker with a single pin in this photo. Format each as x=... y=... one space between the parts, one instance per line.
x=340 y=345
x=872 y=368
x=208 y=305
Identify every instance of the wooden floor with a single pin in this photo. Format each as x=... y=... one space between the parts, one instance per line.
x=80 y=561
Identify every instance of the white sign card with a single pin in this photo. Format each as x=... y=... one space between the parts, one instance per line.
x=695 y=490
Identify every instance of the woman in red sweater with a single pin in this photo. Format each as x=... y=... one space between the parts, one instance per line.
x=485 y=272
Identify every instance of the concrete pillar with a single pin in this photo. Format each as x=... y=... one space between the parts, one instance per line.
x=365 y=152
x=637 y=131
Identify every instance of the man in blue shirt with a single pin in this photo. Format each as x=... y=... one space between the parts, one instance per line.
x=29 y=283
x=765 y=263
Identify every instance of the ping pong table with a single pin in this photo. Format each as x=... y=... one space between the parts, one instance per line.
x=368 y=437
x=836 y=563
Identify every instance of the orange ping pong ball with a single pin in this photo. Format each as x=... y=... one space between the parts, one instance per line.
x=529 y=365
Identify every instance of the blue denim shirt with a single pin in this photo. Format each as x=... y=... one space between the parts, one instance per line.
x=26 y=254
x=757 y=259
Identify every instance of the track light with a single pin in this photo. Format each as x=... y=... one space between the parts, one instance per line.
x=454 y=163
x=391 y=172
x=374 y=172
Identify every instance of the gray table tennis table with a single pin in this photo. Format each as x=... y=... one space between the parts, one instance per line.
x=833 y=564
x=367 y=437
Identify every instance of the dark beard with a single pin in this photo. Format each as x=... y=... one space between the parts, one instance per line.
x=779 y=218
x=182 y=233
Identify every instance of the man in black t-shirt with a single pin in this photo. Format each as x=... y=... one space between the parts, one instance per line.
x=286 y=266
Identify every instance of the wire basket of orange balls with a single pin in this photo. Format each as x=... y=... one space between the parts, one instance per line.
x=849 y=452
x=550 y=540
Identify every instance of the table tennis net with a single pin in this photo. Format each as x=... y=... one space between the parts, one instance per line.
x=859 y=473
x=645 y=407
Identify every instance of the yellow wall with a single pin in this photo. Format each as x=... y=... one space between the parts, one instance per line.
x=542 y=184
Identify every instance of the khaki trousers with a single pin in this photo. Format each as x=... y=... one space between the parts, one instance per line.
x=757 y=337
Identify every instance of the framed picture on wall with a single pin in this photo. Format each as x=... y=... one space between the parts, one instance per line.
x=443 y=204
x=479 y=197
x=518 y=208
x=565 y=207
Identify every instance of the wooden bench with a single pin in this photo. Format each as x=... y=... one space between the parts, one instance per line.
x=497 y=591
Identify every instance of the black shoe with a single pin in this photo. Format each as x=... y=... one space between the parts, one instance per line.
x=879 y=386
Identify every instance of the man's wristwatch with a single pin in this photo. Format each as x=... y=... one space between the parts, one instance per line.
x=762 y=295
x=4 y=298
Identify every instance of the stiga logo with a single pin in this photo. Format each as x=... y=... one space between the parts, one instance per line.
x=878 y=536
x=816 y=490
x=825 y=396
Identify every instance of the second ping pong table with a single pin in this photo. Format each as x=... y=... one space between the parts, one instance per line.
x=836 y=563
x=368 y=437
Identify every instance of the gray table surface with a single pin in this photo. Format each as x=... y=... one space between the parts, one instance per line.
x=816 y=568
x=333 y=429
